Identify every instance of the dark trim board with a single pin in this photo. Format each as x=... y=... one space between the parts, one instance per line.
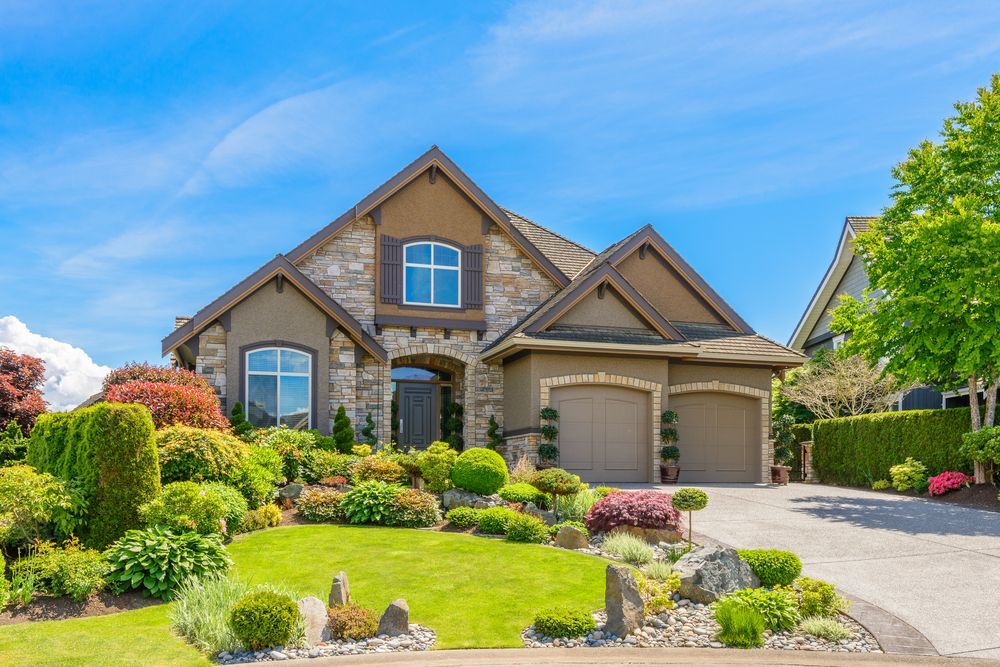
x=433 y=322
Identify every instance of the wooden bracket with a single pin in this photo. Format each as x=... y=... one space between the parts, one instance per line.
x=281 y=283
x=600 y=290
x=434 y=173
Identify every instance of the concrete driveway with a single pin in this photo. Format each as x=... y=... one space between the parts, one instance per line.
x=933 y=565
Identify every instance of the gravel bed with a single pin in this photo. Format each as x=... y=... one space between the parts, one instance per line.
x=693 y=626
x=418 y=639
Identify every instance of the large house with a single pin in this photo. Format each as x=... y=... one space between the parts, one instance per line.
x=426 y=294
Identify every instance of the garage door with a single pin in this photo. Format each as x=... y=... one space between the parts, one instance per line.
x=604 y=433
x=719 y=437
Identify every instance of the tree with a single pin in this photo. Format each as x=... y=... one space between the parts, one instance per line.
x=830 y=386
x=343 y=431
x=21 y=380
x=368 y=431
x=934 y=253
x=494 y=432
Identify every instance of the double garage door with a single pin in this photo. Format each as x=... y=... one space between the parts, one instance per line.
x=605 y=435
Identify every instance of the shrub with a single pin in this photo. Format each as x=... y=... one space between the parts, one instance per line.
x=322 y=464
x=855 y=450
x=436 y=463
x=29 y=500
x=265 y=516
x=554 y=529
x=319 y=504
x=412 y=508
x=294 y=447
x=494 y=520
x=524 y=493
x=201 y=608
x=378 y=468
x=13 y=444
x=352 y=621
x=657 y=594
x=72 y=570
x=819 y=598
x=198 y=455
x=258 y=475
x=185 y=506
x=772 y=566
x=343 y=431
x=576 y=506
x=147 y=373
x=479 y=470
x=642 y=509
x=824 y=628
x=779 y=608
x=4 y=584
x=556 y=482
x=658 y=570
x=947 y=481
x=982 y=445
x=172 y=404
x=881 y=485
x=109 y=452
x=361 y=450
x=689 y=500
x=264 y=619
x=463 y=517
x=523 y=470
x=235 y=504
x=740 y=626
x=21 y=379
x=564 y=623
x=908 y=475
x=527 y=528
x=369 y=502
x=158 y=560
x=238 y=421
x=629 y=548
x=604 y=491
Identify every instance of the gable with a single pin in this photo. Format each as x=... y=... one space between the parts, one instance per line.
x=854 y=282
x=425 y=209
x=669 y=292
x=610 y=311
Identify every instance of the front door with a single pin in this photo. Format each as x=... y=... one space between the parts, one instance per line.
x=416 y=414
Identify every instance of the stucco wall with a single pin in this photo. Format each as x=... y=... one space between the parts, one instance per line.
x=610 y=311
x=521 y=393
x=750 y=376
x=666 y=289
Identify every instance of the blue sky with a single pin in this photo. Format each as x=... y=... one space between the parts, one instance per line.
x=152 y=154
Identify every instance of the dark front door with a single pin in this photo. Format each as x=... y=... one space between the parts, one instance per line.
x=416 y=414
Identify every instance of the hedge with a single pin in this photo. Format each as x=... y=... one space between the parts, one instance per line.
x=108 y=453
x=859 y=450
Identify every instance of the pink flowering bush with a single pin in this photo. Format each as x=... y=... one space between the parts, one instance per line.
x=172 y=404
x=947 y=481
x=642 y=509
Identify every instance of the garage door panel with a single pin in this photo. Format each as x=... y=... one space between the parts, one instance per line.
x=692 y=429
x=732 y=439
x=719 y=437
x=576 y=433
x=621 y=428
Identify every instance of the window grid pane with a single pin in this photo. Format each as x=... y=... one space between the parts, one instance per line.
x=418 y=285
x=278 y=393
x=446 y=287
x=431 y=274
x=263 y=361
x=294 y=362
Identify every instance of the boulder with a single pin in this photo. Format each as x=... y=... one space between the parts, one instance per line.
x=709 y=572
x=548 y=518
x=395 y=620
x=622 y=601
x=290 y=491
x=653 y=535
x=569 y=537
x=340 y=590
x=453 y=498
x=313 y=611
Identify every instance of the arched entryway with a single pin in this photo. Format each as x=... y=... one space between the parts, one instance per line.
x=424 y=387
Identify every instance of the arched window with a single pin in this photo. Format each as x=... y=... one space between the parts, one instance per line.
x=431 y=274
x=279 y=387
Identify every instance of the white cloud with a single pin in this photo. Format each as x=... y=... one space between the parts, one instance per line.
x=70 y=374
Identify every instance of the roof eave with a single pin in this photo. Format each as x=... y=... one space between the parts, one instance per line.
x=834 y=273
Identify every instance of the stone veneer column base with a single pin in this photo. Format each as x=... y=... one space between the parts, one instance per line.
x=515 y=446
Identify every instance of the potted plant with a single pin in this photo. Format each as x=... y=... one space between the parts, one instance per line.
x=784 y=440
x=548 y=452
x=669 y=453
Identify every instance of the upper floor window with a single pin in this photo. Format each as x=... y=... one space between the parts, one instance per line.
x=431 y=274
x=279 y=387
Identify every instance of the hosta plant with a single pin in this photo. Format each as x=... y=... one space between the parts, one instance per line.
x=779 y=608
x=369 y=502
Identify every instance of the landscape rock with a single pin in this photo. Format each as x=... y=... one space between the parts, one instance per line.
x=453 y=498
x=549 y=518
x=313 y=611
x=340 y=590
x=622 y=601
x=570 y=537
x=709 y=572
x=395 y=620
x=290 y=491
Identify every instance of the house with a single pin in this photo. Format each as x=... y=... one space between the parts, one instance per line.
x=846 y=275
x=426 y=294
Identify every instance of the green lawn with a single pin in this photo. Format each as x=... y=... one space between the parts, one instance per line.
x=474 y=592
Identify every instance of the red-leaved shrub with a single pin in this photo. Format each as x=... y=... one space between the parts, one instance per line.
x=172 y=404
x=134 y=372
x=21 y=380
x=642 y=509
x=947 y=481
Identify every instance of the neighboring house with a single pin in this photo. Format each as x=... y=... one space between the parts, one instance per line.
x=426 y=293
x=846 y=275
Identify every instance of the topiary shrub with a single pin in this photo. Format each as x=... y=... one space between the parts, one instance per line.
x=187 y=506
x=689 y=500
x=158 y=560
x=494 y=520
x=740 y=626
x=480 y=470
x=369 y=502
x=263 y=619
x=819 y=598
x=294 y=447
x=524 y=493
x=642 y=509
x=258 y=475
x=352 y=621
x=72 y=570
x=772 y=566
x=320 y=504
x=556 y=482
x=436 y=463
x=171 y=404
x=343 y=431
x=564 y=623
x=378 y=468
x=779 y=608
x=527 y=528
x=463 y=517
x=265 y=516
x=198 y=455
x=238 y=420
x=412 y=508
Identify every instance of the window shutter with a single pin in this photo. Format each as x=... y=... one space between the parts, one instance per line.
x=472 y=277
x=392 y=270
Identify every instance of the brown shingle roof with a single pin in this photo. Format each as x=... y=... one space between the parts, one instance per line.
x=569 y=256
x=859 y=223
x=720 y=339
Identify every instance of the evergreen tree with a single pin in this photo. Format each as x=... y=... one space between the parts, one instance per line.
x=368 y=431
x=343 y=431
x=494 y=433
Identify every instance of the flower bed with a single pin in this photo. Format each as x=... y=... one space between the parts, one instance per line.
x=418 y=639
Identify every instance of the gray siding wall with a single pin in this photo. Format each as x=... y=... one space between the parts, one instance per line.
x=854 y=283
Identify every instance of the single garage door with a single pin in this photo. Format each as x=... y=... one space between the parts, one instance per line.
x=604 y=432
x=719 y=437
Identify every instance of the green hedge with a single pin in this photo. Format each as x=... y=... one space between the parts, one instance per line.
x=802 y=433
x=859 y=450
x=108 y=454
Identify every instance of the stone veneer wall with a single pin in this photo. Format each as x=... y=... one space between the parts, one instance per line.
x=343 y=378
x=515 y=446
x=211 y=361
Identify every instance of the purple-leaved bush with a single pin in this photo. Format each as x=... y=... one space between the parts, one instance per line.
x=642 y=509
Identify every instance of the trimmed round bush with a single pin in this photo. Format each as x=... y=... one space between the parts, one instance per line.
x=480 y=470
x=186 y=506
x=527 y=528
x=463 y=517
x=494 y=520
x=564 y=623
x=378 y=468
x=772 y=566
x=264 y=619
x=198 y=455
x=642 y=509
x=524 y=493
x=320 y=504
x=689 y=500
x=413 y=508
x=556 y=481
x=352 y=621
x=234 y=502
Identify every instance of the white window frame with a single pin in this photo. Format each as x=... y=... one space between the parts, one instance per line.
x=433 y=268
x=278 y=374
x=838 y=340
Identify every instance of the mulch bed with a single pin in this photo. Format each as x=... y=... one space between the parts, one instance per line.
x=46 y=608
x=978 y=496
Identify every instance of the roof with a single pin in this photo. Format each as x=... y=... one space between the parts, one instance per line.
x=859 y=223
x=569 y=256
x=718 y=339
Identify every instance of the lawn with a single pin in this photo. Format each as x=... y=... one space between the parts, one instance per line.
x=475 y=592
